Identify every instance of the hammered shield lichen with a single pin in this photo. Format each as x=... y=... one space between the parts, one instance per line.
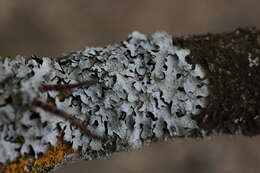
x=145 y=87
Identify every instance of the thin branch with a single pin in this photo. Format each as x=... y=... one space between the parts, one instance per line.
x=59 y=87
x=73 y=120
x=149 y=89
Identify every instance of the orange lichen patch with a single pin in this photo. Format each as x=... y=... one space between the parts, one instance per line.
x=18 y=167
x=52 y=157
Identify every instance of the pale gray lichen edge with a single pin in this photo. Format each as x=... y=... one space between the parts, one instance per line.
x=145 y=88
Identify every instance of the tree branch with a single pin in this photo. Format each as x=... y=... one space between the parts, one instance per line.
x=147 y=89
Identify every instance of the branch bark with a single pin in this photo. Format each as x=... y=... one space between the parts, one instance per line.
x=148 y=89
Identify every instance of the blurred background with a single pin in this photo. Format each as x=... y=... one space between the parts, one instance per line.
x=217 y=155
x=51 y=28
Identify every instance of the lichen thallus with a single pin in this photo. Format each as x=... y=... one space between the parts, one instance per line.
x=52 y=109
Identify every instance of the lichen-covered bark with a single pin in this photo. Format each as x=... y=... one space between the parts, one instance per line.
x=148 y=89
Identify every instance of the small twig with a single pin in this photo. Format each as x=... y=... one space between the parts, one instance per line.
x=59 y=87
x=75 y=121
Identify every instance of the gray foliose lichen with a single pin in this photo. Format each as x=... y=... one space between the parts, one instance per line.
x=146 y=89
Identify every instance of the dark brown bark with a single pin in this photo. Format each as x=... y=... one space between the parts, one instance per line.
x=234 y=102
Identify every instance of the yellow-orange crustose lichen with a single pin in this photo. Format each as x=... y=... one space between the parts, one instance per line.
x=18 y=167
x=52 y=157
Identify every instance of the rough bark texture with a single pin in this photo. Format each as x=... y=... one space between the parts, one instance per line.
x=194 y=86
x=232 y=62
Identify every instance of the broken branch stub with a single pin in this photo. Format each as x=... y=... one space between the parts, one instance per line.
x=148 y=89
